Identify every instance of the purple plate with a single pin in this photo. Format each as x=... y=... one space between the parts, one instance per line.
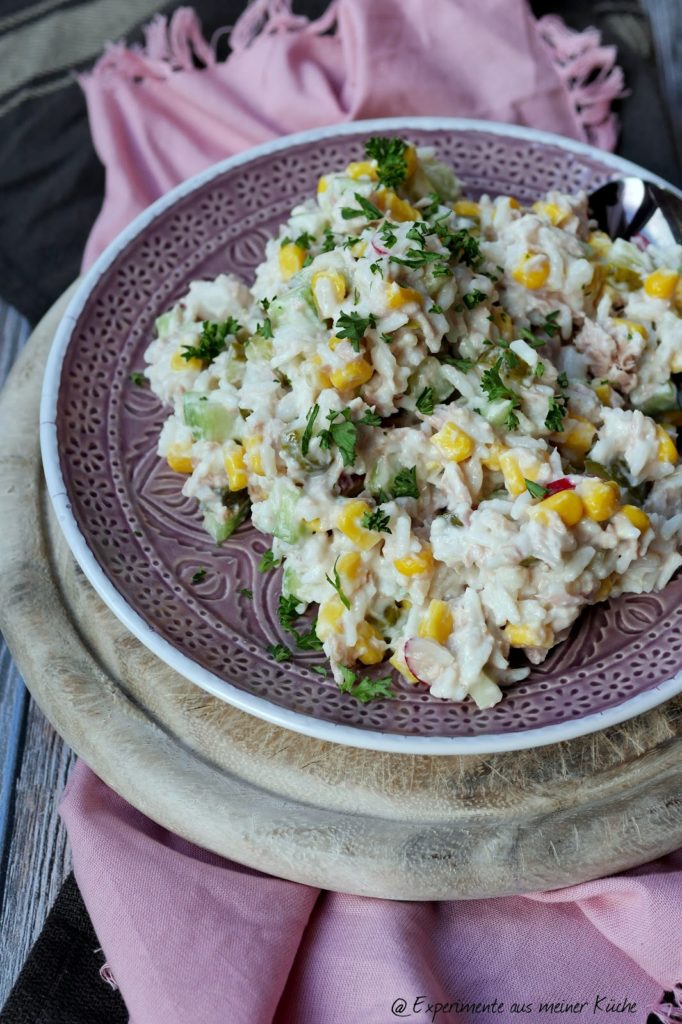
x=140 y=542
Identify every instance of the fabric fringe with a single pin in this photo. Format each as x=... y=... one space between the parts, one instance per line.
x=591 y=75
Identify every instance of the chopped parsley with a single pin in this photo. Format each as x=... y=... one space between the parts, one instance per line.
x=320 y=669
x=365 y=689
x=308 y=432
x=138 y=379
x=425 y=402
x=495 y=389
x=336 y=584
x=309 y=641
x=388 y=338
x=265 y=329
x=376 y=520
x=405 y=484
x=460 y=364
x=370 y=419
x=415 y=258
x=364 y=207
x=455 y=520
x=390 y=157
x=343 y=433
x=550 y=326
x=555 y=413
x=531 y=339
x=246 y=593
x=329 y=241
x=388 y=236
x=353 y=327
x=562 y=380
x=473 y=298
x=268 y=561
x=539 y=370
x=212 y=340
x=287 y=611
x=279 y=652
x=376 y=269
x=199 y=575
x=436 y=308
x=535 y=490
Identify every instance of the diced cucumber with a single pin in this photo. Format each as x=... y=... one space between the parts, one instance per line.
x=222 y=524
x=663 y=399
x=433 y=176
x=259 y=348
x=429 y=374
x=162 y=324
x=293 y=305
x=496 y=412
x=209 y=420
x=287 y=525
x=382 y=473
x=291 y=582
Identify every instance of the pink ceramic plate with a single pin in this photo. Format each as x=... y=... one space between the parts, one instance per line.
x=140 y=542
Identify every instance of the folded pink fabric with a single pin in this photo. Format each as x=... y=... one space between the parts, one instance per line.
x=191 y=937
x=156 y=120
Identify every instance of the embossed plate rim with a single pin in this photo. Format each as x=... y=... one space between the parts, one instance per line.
x=258 y=706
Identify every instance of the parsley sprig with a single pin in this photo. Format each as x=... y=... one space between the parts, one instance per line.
x=390 y=157
x=353 y=327
x=425 y=402
x=288 y=613
x=376 y=520
x=336 y=584
x=365 y=689
x=212 y=340
x=279 y=652
x=308 y=432
x=341 y=432
x=405 y=484
x=495 y=388
x=268 y=561
x=364 y=208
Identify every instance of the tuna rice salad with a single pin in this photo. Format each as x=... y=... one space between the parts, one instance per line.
x=455 y=420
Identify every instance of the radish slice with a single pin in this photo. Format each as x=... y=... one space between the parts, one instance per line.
x=427 y=660
x=379 y=249
x=559 y=485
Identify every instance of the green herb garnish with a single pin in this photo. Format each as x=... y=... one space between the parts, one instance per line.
x=287 y=611
x=212 y=340
x=199 y=575
x=376 y=520
x=279 y=652
x=425 y=402
x=390 y=157
x=308 y=432
x=344 y=434
x=365 y=689
x=138 y=379
x=268 y=561
x=353 y=327
x=473 y=298
x=405 y=484
x=369 y=210
x=535 y=490
x=370 y=419
x=246 y=593
x=336 y=584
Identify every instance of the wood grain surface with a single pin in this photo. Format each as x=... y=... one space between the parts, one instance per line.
x=385 y=825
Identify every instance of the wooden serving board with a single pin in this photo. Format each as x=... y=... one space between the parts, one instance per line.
x=386 y=825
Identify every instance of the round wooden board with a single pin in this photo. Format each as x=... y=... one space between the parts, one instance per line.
x=386 y=825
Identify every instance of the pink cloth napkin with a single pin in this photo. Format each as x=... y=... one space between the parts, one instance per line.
x=196 y=939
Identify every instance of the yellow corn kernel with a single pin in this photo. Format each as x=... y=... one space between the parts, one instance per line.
x=415 y=565
x=314 y=525
x=362 y=169
x=520 y=635
x=398 y=663
x=178 y=362
x=397 y=296
x=358 y=250
x=437 y=623
x=329 y=617
x=291 y=259
x=252 y=446
x=235 y=467
x=337 y=282
x=513 y=476
x=667 y=450
x=554 y=214
x=352 y=375
x=624 y=275
x=399 y=209
x=580 y=435
x=370 y=645
x=334 y=341
x=349 y=565
x=348 y=522
x=600 y=242
x=604 y=393
x=605 y=587
x=454 y=443
x=405 y=604
x=322 y=185
x=514 y=203
x=567 y=505
x=503 y=322
x=600 y=499
x=631 y=325
x=466 y=208
x=533 y=270
x=662 y=283
x=410 y=156
x=179 y=459
x=492 y=459
x=636 y=516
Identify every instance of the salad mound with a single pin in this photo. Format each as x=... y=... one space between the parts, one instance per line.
x=455 y=418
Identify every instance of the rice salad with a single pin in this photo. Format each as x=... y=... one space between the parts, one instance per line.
x=454 y=418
